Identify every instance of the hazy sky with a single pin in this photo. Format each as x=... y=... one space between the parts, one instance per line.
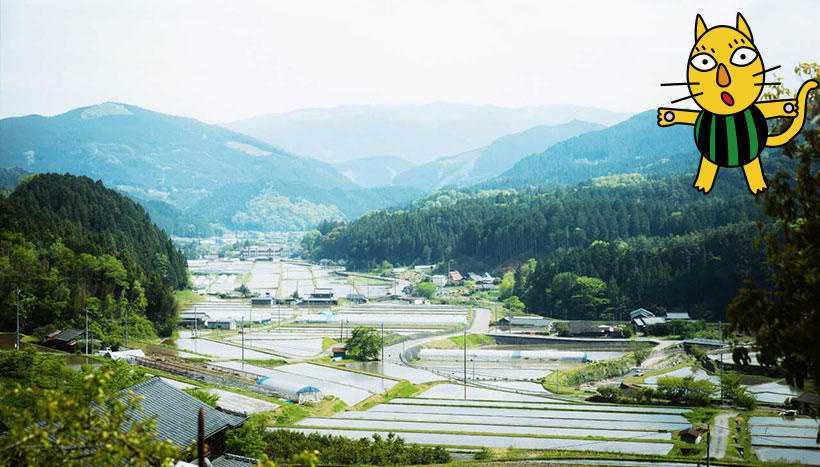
x=221 y=61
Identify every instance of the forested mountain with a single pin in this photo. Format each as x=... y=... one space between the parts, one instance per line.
x=10 y=178
x=264 y=206
x=645 y=239
x=68 y=242
x=636 y=145
x=153 y=155
x=183 y=162
x=475 y=166
x=373 y=171
x=418 y=133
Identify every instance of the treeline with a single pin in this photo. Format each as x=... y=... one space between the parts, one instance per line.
x=699 y=273
x=287 y=446
x=69 y=243
x=613 y=243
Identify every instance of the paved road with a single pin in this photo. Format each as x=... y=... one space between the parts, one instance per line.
x=480 y=325
x=720 y=435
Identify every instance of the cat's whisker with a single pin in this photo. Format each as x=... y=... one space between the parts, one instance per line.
x=766 y=71
x=768 y=84
x=679 y=84
x=687 y=97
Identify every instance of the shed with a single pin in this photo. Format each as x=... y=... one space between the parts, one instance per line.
x=683 y=316
x=292 y=391
x=455 y=277
x=807 y=402
x=439 y=280
x=65 y=340
x=194 y=318
x=640 y=312
x=690 y=435
x=339 y=351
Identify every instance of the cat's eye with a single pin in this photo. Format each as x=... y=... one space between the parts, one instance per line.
x=743 y=56
x=703 y=62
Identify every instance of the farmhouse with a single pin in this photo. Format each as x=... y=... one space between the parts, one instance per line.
x=177 y=415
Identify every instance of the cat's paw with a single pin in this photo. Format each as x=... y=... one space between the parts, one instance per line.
x=666 y=117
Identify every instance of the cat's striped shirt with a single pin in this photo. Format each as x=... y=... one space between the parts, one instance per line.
x=731 y=140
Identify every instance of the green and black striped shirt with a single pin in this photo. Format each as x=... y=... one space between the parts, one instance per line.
x=731 y=140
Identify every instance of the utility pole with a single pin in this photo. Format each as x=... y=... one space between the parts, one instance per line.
x=382 y=342
x=86 y=330
x=17 y=292
x=708 y=443
x=465 y=363
x=126 y=326
x=243 y=343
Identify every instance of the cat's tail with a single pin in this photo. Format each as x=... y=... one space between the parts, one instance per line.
x=797 y=123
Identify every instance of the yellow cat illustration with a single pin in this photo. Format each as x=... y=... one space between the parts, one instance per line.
x=725 y=77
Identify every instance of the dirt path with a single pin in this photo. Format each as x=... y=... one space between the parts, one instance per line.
x=720 y=434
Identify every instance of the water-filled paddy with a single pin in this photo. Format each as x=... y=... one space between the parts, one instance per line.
x=616 y=417
x=804 y=456
x=453 y=391
x=504 y=420
x=413 y=375
x=216 y=349
x=398 y=425
x=547 y=404
x=496 y=441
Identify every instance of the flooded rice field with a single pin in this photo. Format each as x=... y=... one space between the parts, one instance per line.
x=403 y=425
x=393 y=370
x=773 y=392
x=456 y=391
x=355 y=389
x=785 y=439
x=499 y=441
x=215 y=349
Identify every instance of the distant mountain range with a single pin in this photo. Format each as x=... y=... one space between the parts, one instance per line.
x=149 y=154
x=475 y=166
x=417 y=133
x=373 y=171
x=636 y=145
x=177 y=163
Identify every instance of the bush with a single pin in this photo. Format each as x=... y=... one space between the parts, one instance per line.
x=247 y=440
x=206 y=397
x=561 y=328
x=364 y=344
x=686 y=389
x=282 y=446
x=483 y=454
x=609 y=393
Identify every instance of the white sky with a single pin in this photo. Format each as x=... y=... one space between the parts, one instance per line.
x=221 y=61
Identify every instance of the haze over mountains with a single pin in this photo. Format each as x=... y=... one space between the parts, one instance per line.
x=417 y=133
x=478 y=165
x=192 y=176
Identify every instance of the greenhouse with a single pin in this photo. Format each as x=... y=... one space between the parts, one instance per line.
x=292 y=391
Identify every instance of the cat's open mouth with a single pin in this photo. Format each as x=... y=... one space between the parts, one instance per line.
x=727 y=98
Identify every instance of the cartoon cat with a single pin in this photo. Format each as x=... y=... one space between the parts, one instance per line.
x=725 y=77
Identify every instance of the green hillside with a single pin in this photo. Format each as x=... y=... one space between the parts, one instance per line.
x=68 y=243
x=636 y=145
x=654 y=239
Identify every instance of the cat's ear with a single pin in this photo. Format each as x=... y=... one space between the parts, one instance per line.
x=700 y=27
x=743 y=27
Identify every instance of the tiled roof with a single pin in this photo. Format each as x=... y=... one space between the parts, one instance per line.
x=68 y=335
x=232 y=460
x=178 y=412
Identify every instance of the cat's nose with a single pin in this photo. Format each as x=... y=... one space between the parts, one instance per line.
x=723 y=78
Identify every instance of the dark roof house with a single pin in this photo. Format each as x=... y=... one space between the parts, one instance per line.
x=178 y=415
x=64 y=340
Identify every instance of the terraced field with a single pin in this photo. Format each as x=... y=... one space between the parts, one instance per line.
x=500 y=419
